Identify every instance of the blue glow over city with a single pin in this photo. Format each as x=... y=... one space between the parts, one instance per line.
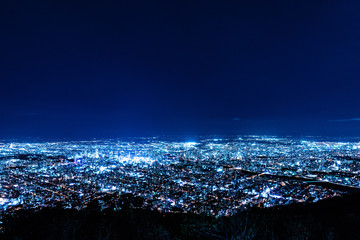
x=211 y=176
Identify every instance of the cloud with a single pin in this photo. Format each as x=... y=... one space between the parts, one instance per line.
x=345 y=120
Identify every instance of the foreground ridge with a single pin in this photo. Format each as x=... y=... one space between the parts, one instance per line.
x=335 y=218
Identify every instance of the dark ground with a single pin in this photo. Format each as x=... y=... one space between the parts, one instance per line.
x=337 y=218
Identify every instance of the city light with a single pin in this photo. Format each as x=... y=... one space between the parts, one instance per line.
x=211 y=176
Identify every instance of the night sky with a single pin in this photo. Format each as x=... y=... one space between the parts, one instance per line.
x=83 y=69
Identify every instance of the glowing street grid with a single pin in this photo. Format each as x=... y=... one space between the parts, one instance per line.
x=210 y=176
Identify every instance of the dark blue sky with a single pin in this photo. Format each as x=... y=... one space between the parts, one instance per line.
x=131 y=68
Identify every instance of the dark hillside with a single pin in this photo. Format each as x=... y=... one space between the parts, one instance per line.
x=337 y=218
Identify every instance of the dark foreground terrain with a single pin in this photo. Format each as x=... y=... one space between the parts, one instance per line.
x=337 y=218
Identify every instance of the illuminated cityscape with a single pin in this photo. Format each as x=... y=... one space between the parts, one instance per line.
x=177 y=120
x=209 y=176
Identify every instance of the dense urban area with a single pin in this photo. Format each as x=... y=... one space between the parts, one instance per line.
x=211 y=176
